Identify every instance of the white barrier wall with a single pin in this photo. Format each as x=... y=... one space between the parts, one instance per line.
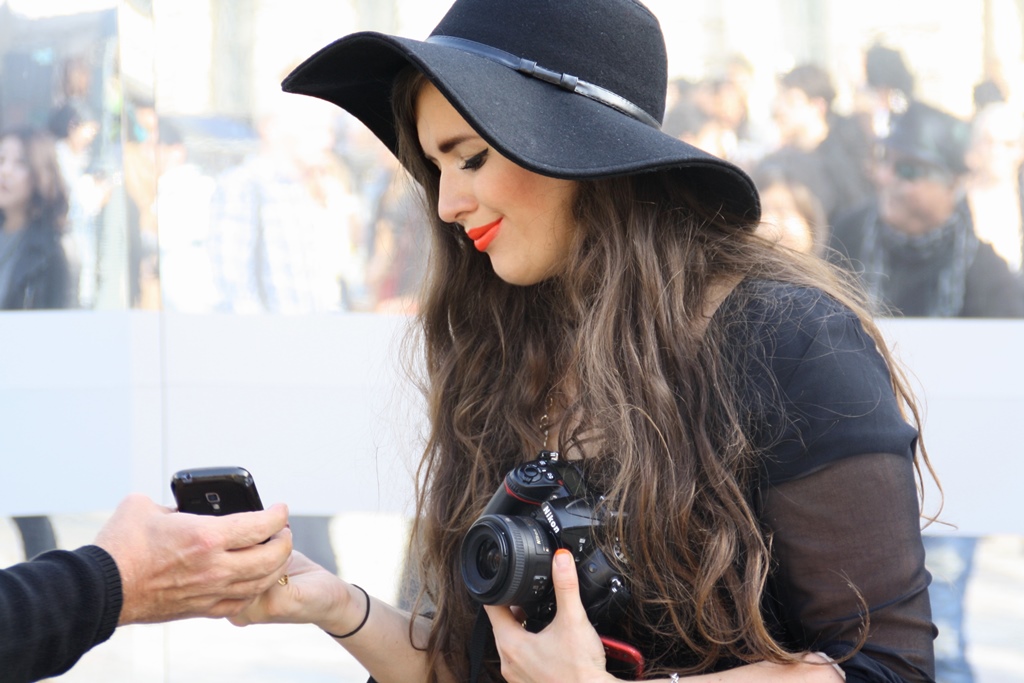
x=94 y=405
x=970 y=377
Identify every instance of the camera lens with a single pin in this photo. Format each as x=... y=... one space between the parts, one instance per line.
x=506 y=560
x=489 y=559
x=213 y=497
x=485 y=556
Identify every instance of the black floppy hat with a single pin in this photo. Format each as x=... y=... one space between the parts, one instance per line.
x=572 y=89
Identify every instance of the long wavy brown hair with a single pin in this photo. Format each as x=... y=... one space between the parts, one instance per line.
x=619 y=347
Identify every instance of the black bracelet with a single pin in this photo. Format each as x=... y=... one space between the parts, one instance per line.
x=361 y=623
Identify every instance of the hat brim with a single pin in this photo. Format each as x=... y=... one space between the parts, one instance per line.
x=541 y=127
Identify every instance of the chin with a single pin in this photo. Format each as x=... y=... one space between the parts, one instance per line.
x=524 y=272
x=518 y=281
x=523 y=278
x=508 y=275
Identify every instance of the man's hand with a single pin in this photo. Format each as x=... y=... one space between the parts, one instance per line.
x=176 y=565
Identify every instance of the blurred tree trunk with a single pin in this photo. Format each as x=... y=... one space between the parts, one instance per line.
x=231 y=75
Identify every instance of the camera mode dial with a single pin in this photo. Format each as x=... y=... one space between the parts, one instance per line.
x=535 y=481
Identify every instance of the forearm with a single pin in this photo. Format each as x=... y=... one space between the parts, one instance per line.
x=814 y=668
x=847 y=546
x=382 y=645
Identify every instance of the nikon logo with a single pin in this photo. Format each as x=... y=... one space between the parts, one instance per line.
x=550 y=516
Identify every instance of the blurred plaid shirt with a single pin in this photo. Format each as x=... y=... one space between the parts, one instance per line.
x=276 y=248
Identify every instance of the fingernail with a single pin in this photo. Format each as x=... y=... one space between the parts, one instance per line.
x=563 y=558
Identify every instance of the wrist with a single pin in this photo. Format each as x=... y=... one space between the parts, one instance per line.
x=349 y=619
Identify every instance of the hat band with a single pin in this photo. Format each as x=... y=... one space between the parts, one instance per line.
x=562 y=80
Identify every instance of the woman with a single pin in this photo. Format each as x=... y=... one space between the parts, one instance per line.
x=596 y=288
x=791 y=215
x=33 y=208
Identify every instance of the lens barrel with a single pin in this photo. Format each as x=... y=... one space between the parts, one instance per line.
x=506 y=560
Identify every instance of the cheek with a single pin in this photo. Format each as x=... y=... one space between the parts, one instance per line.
x=939 y=205
x=560 y=219
x=892 y=204
x=920 y=205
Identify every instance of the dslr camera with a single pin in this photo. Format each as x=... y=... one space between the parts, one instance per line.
x=506 y=556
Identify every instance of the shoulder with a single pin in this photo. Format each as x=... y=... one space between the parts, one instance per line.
x=993 y=290
x=848 y=133
x=41 y=236
x=786 y=313
x=816 y=383
x=40 y=248
x=989 y=264
x=782 y=334
x=847 y=234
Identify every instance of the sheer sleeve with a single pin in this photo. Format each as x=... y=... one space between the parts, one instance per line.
x=846 y=538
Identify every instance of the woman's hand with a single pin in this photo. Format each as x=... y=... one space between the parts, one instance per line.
x=311 y=595
x=568 y=650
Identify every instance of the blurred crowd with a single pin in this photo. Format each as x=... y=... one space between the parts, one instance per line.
x=923 y=206
x=296 y=211
x=309 y=213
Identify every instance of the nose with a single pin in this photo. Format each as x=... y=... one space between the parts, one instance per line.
x=455 y=200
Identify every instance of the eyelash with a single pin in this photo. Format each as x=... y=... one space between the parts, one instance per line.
x=474 y=162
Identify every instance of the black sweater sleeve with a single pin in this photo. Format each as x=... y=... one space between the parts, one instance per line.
x=53 y=609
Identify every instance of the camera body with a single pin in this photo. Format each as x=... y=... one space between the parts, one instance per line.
x=506 y=556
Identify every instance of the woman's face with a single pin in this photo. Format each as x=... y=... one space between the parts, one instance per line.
x=781 y=219
x=522 y=220
x=15 y=176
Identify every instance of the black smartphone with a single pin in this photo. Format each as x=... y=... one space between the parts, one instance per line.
x=215 y=491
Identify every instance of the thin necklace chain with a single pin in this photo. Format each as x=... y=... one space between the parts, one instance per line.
x=545 y=421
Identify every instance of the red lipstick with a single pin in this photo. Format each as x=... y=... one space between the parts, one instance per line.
x=483 y=236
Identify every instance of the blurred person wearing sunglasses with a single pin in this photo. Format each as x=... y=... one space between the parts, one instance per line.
x=918 y=254
x=915 y=247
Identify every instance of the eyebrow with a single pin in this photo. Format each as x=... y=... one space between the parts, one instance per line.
x=446 y=146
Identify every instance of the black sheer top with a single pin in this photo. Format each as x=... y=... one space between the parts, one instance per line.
x=837 y=489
